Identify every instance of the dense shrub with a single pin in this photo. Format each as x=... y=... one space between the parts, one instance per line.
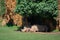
x=43 y=8
x=2 y=7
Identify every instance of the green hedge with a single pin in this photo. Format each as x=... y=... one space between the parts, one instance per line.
x=2 y=7
x=43 y=8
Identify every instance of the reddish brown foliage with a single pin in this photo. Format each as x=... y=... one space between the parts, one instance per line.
x=17 y=19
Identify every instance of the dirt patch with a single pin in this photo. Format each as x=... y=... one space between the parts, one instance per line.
x=47 y=32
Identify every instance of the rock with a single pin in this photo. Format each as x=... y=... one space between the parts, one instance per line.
x=34 y=28
x=25 y=29
x=39 y=28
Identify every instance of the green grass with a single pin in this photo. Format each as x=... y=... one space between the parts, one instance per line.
x=9 y=33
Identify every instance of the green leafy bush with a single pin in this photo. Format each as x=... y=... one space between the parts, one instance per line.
x=43 y=8
x=2 y=7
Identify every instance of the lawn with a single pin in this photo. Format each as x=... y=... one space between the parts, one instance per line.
x=10 y=33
